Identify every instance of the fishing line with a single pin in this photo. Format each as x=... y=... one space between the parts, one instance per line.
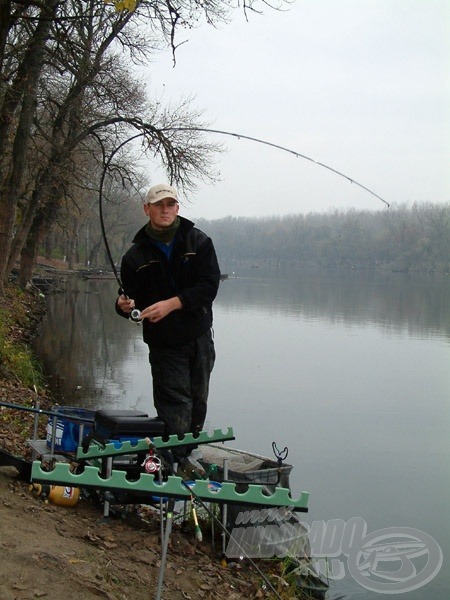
x=228 y=533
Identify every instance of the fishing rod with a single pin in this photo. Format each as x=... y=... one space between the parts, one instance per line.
x=40 y=411
x=240 y=136
x=135 y=314
x=106 y=163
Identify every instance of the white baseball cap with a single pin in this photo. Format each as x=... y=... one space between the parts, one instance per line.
x=159 y=192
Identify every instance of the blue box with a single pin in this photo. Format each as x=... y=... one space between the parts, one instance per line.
x=70 y=422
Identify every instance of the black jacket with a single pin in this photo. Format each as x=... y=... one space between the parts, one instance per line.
x=193 y=275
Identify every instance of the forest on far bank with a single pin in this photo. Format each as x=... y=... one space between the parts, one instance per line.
x=399 y=239
x=403 y=238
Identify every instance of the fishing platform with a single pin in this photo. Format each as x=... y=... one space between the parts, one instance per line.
x=112 y=448
x=126 y=457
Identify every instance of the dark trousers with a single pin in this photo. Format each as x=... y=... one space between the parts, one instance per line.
x=181 y=384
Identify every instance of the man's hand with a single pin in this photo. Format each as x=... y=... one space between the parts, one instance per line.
x=125 y=304
x=159 y=310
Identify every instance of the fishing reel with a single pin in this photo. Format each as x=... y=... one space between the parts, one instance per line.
x=135 y=315
x=152 y=464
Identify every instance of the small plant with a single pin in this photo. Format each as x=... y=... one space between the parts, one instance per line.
x=16 y=357
x=24 y=366
x=295 y=578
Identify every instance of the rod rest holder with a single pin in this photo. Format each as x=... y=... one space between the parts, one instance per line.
x=97 y=449
x=174 y=487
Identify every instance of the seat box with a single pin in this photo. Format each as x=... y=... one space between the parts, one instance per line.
x=127 y=425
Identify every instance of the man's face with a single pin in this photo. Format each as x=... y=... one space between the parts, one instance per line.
x=162 y=213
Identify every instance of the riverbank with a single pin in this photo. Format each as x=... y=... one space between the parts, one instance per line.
x=21 y=379
x=55 y=552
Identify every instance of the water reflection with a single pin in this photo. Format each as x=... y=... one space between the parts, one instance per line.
x=348 y=370
x=86 y=347
x=419 y=304
x=75 y=342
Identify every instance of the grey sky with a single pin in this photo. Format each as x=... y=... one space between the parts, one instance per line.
x=360 y=85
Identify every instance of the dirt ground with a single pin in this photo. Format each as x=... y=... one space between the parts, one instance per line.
x=59 y=552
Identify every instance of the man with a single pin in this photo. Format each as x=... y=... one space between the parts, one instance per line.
x=171 y=274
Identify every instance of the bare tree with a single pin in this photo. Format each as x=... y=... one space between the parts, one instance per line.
x=63 y=83
x=84 y=91
x=17 y=110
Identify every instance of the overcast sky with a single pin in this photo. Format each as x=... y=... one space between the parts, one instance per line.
x=360 y=85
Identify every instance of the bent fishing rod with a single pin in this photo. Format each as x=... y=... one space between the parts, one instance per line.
x=241 y=136
x=135 y=314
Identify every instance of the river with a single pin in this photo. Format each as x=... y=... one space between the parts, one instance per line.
x=348 y=370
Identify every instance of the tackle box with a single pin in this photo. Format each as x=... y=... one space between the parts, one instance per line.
x=127 y=425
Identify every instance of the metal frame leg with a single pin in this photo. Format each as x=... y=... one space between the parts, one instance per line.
x=165 y=546
x=107 y=466
x=224 y=510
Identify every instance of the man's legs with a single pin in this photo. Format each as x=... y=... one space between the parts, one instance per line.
x=201 y=368
x=181 y=385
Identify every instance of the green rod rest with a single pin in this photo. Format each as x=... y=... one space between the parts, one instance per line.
x=173 y=487
x=173 y=441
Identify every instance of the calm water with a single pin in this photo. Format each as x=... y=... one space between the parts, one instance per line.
x=350 y=371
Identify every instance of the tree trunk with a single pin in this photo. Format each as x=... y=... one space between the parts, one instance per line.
x=11 y=177
x=72 y=254
x=49 y=246
x=21 y=233
x=93 y=254
x=28 y=258
x=5 y=12
x=42 y=222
